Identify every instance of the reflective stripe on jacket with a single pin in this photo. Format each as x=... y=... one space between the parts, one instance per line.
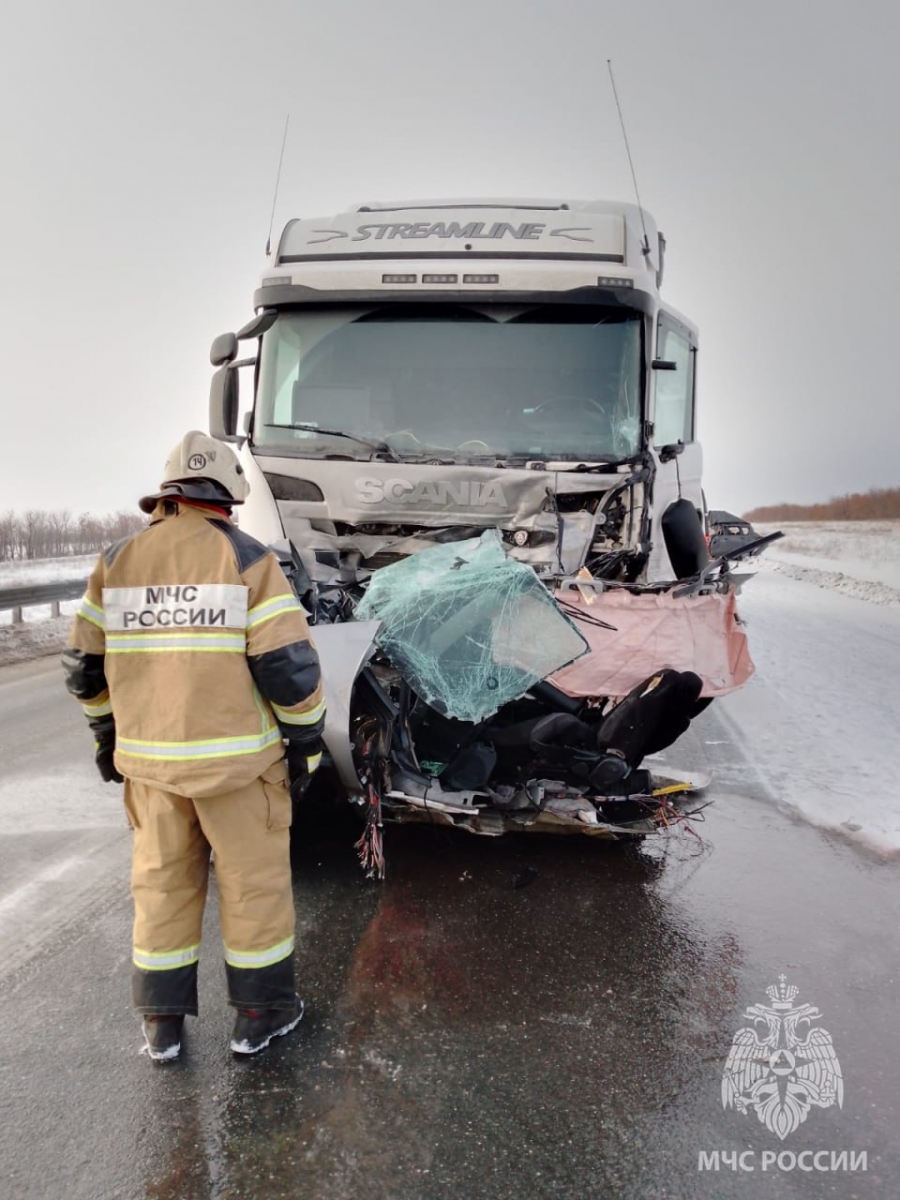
x=190 y=636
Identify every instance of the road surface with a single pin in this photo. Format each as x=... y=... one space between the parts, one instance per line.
x=522 y=1017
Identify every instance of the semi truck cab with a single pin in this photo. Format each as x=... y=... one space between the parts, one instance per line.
x=430 y=372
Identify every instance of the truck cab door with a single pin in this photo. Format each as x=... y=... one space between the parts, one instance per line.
x=678 y=455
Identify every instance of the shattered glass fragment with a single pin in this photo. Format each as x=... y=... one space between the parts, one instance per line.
x=468 y=628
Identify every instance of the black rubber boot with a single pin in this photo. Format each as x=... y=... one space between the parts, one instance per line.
x=255 y=1028
x=162 y=1037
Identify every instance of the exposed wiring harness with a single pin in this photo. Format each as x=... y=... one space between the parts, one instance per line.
x=370 y=845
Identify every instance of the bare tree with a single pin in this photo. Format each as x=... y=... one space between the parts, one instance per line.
x=61 y=533
x=9 y=536
x=34 y=533
x=879 y=504
x=40 y=534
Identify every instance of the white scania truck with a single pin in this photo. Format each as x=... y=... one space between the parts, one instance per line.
x=465 y=373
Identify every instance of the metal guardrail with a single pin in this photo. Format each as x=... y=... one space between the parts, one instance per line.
x=17 y=598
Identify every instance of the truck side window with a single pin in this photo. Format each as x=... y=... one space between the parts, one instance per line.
x=674 y=421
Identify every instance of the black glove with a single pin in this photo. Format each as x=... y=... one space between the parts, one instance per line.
x=302 y=759
x=104 y=748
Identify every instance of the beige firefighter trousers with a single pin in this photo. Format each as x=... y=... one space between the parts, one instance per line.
x=249 y=832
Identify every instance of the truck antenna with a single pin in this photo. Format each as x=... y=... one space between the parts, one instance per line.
x=277 y=182
x=646 y=246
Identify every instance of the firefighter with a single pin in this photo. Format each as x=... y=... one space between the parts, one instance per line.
x=192 y=660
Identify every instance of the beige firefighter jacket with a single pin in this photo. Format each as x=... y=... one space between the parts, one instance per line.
x=190 y=637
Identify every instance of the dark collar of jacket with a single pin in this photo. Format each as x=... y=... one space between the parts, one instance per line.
x=168 y=508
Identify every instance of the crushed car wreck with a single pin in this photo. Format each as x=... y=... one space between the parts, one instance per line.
x=478 y=463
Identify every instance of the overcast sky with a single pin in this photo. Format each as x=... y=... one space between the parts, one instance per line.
x=139 y=151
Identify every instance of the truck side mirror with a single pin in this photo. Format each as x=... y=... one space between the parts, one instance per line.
x=223 y=403
x=224 y=349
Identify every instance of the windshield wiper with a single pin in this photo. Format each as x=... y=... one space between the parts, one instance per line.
x=600 y=462
x=570 y=463
x=375 y=447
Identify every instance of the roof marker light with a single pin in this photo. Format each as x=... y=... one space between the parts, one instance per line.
x=481 y=278
x=398 y=278
x=440 y=278
x=614 y=281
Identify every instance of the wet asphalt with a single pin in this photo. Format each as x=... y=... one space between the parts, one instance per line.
x=519 y=1017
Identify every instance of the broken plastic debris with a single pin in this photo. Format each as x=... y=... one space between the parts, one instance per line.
x=588 y=594
x=468 y=628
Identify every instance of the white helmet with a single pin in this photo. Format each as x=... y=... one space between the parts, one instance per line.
x=201 y=468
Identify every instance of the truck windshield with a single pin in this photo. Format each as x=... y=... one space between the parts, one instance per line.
x=453 y=383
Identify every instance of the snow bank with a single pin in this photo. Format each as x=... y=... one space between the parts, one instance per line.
x=856 y=558
x=19 y=643
x=22 y=572
x=39 y=634
x=818 y=723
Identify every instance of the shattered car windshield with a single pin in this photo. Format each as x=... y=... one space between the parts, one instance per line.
x=453 y=382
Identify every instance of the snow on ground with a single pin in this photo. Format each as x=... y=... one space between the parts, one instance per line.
x=36 y=636
x=39 y=634
x=819 y=721
x=857 y=558
x=19 y=643
x=33 y=618
x=22 y=572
